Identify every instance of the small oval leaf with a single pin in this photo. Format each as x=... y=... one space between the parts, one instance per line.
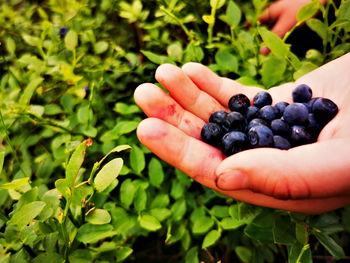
x=98 y=217
x=107 y=174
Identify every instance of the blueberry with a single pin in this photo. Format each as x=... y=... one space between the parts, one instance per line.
x=314 y=126
x=281 y=143
x=251 y=112
x=280 y=127
x=262 y=99
x=234 y=142
x=267 y=113
x=299 y=135
x=302 y=93
x=218 y=117
x=256 y=122
x=239 y=102
x=260 y=136
x=235 y=121
x=296 y=114
x=212 y=133
x=280 y=107
x=324 y=109
x=63 y=31
x=310 y=103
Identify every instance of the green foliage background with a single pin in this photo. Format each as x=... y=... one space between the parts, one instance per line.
x=77 y=186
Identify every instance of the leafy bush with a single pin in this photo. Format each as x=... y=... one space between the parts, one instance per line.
x=77 y=186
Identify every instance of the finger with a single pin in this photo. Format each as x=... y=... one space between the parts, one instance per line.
x=311 y=171
x=186 y=93
x=156 y=103
x=271 y=13
x=222 y=89
x=283 y=25
x=194 y=157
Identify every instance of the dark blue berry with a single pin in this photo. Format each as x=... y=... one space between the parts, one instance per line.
x=296 y=114
x=299 y=135
x=63 y=31
x=281 y=143
x=262 y=99
x=280 y=127
x=280 y=107
x=212 y=133
x=324 y=109
x=234 y=142
x=314 y=126
x=267 y=113
x=310 y=103
x=256 y=122
x=302 y=93
x=235 y=121
x=251 y=112
x=218 y=117
x=239 y=102
x=260 y=136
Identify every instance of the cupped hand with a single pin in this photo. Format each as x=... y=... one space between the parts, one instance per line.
x=312 y=178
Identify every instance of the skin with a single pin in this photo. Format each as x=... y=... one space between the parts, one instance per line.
x=283 y=14
x=311 y=179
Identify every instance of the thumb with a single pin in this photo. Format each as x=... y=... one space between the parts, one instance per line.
x=309 y=171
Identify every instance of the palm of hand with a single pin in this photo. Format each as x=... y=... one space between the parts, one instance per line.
x=310 y=179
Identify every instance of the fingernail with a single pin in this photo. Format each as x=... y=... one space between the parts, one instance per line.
x=232 y=180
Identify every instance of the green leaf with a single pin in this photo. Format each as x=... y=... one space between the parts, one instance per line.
x=140 y=200
x=75 y=162
x=149 y=222
x=217 y=3
x=307 y=11
x=178 y=209
x=344 y=10
x=233 y=14
x=2 y=158
x=63 y=187
x=32 y=41
x=333 y=248
x=274 y=43
x=124 y=127
x=15 y=184
x=244 y=253
x=202 y=225
x=126 y=109
x=299 y=253
x=160 y=213
x=29 y=90
x=229 y=223
x=26 y=214
x=155 y=58
x=301 y=233
x=226 y=61
x=51 y=257
x=107 y=174
x=98 y=217
x=273 y=71
x=10 y=45
x=194 y=53
x=71 y=40
x=127 y=192
x=192 y=256
x=211 y=238
x=155 y=172
x=317 y=26
x=305 y=68
x=137 y=159
x=175 y=51
x=283 y=230
x=89 y=233
x=100 y=47
x=122 y=253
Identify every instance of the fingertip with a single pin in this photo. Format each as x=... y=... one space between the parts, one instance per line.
x=141 y=90
x=163 y=71
x=150 y=129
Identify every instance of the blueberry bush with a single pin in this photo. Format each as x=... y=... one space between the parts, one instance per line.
x=75 y=183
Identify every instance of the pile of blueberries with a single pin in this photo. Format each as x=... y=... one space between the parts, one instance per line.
x=280 y=126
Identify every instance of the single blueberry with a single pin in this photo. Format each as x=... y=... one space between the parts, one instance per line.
x=299 y=135
x=281 y=142
x=235 y=121
x=314 y=126
x=218 y=117
x=260 y=136
x=302 y=93
x=280 y=107
x=256 y=122
x=261 y=99
x=251 y=112
x=211 y=133
x=296 y=114
x=267 y=113
x=310 y=103
x=280 y=127
x=239 y=102
x=63 y=31
x=324 y=109
x=234 y=142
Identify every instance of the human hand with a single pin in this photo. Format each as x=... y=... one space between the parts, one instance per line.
x=283 y=14
x=312 y=178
